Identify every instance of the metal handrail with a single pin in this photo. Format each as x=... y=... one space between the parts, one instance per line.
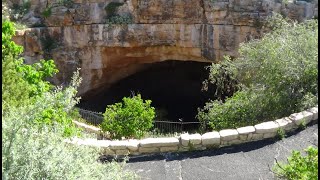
x=96 y=118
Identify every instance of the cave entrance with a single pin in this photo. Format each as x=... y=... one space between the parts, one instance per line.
x=173 y=86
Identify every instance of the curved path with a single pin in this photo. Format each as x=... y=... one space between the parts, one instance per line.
x=241 y=162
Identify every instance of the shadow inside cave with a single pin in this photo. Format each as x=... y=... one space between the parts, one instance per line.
x=175 y=88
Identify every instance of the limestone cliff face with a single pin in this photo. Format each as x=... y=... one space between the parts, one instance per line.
x=86 y=33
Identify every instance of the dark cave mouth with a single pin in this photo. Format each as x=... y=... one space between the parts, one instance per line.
x=174 y=87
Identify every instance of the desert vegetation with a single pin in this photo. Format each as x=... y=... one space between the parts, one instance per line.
x=36 y=119
x=276 y=75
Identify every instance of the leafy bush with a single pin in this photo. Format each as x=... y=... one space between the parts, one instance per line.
x=223 y=78
x=30 y=153
x=117 y=19
x=35 y=75
x=13 y=84
x=113 y=17
x=111 y=8
x=237 y=111
x=59 y=107
x=298 y=166
x=278 y=76
x=48 y=43
x=16 y=73
x=47 y=12
x=23 y=84
x=130 y=118
x=32 y=143
x=281 y=133
x=8 y=46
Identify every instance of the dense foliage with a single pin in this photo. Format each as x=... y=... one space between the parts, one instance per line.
x=131 y=118
x=278 y=76
x=16 y=73
x=32 y=153
x=36 y=119
x=298 y=166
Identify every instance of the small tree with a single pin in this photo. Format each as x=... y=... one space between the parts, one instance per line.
x=130 y=118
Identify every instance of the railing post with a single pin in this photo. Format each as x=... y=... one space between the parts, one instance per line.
x=181 y=124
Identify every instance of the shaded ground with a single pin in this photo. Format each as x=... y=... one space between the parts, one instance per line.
x=248 y=161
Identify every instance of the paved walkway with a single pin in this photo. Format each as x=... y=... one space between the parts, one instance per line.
x=241 y=162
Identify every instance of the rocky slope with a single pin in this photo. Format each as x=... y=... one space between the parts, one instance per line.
x=112 y=39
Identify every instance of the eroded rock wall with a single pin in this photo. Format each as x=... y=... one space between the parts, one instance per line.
x=80 y=33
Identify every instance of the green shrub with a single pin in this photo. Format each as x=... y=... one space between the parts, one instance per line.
x=47 y=12
x=298 y=166
x=278 y=76
x=111 y=8
x=223 y=78
x=48 y=43
x=15 y=90
x=281 y=133
x=131 y=118
x=23 y=85
x=8 y=46
x=32 y=143
x=19 y=10
x=15 y=72
x=302 y=125
x=30 y=153
x=117 y=19
x=35 y=75
x=237 y=111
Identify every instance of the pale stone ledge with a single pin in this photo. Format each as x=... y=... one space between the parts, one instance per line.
x=134 y=153
x=108 y=151
x=198 y=147
x=243 y=137
x=169 y=149
x=229 y=134
x=249 y=136
x=184 y=139
x=304 y=116
x=246 y=130
x=308 y=116
x=285 y=123
x=266 y=127
x=20 y=32
x=183 y=148
x=256 y=137
x=132 y=145
x=269 y=135
x=314 y=110
x=190 y=138
x=87 y=127
x=157 y=142
x=122 y=152
x=297 y=118
x=189 y=142
x=148 y=149
x=195 y=139
x=211 y=138
x=235 y=141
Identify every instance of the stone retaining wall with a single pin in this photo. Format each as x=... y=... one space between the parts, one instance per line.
x=189 y=142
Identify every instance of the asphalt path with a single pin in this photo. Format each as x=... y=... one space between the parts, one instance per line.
x=241 y=162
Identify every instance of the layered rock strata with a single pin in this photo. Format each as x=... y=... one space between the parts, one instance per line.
x=112 y=39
